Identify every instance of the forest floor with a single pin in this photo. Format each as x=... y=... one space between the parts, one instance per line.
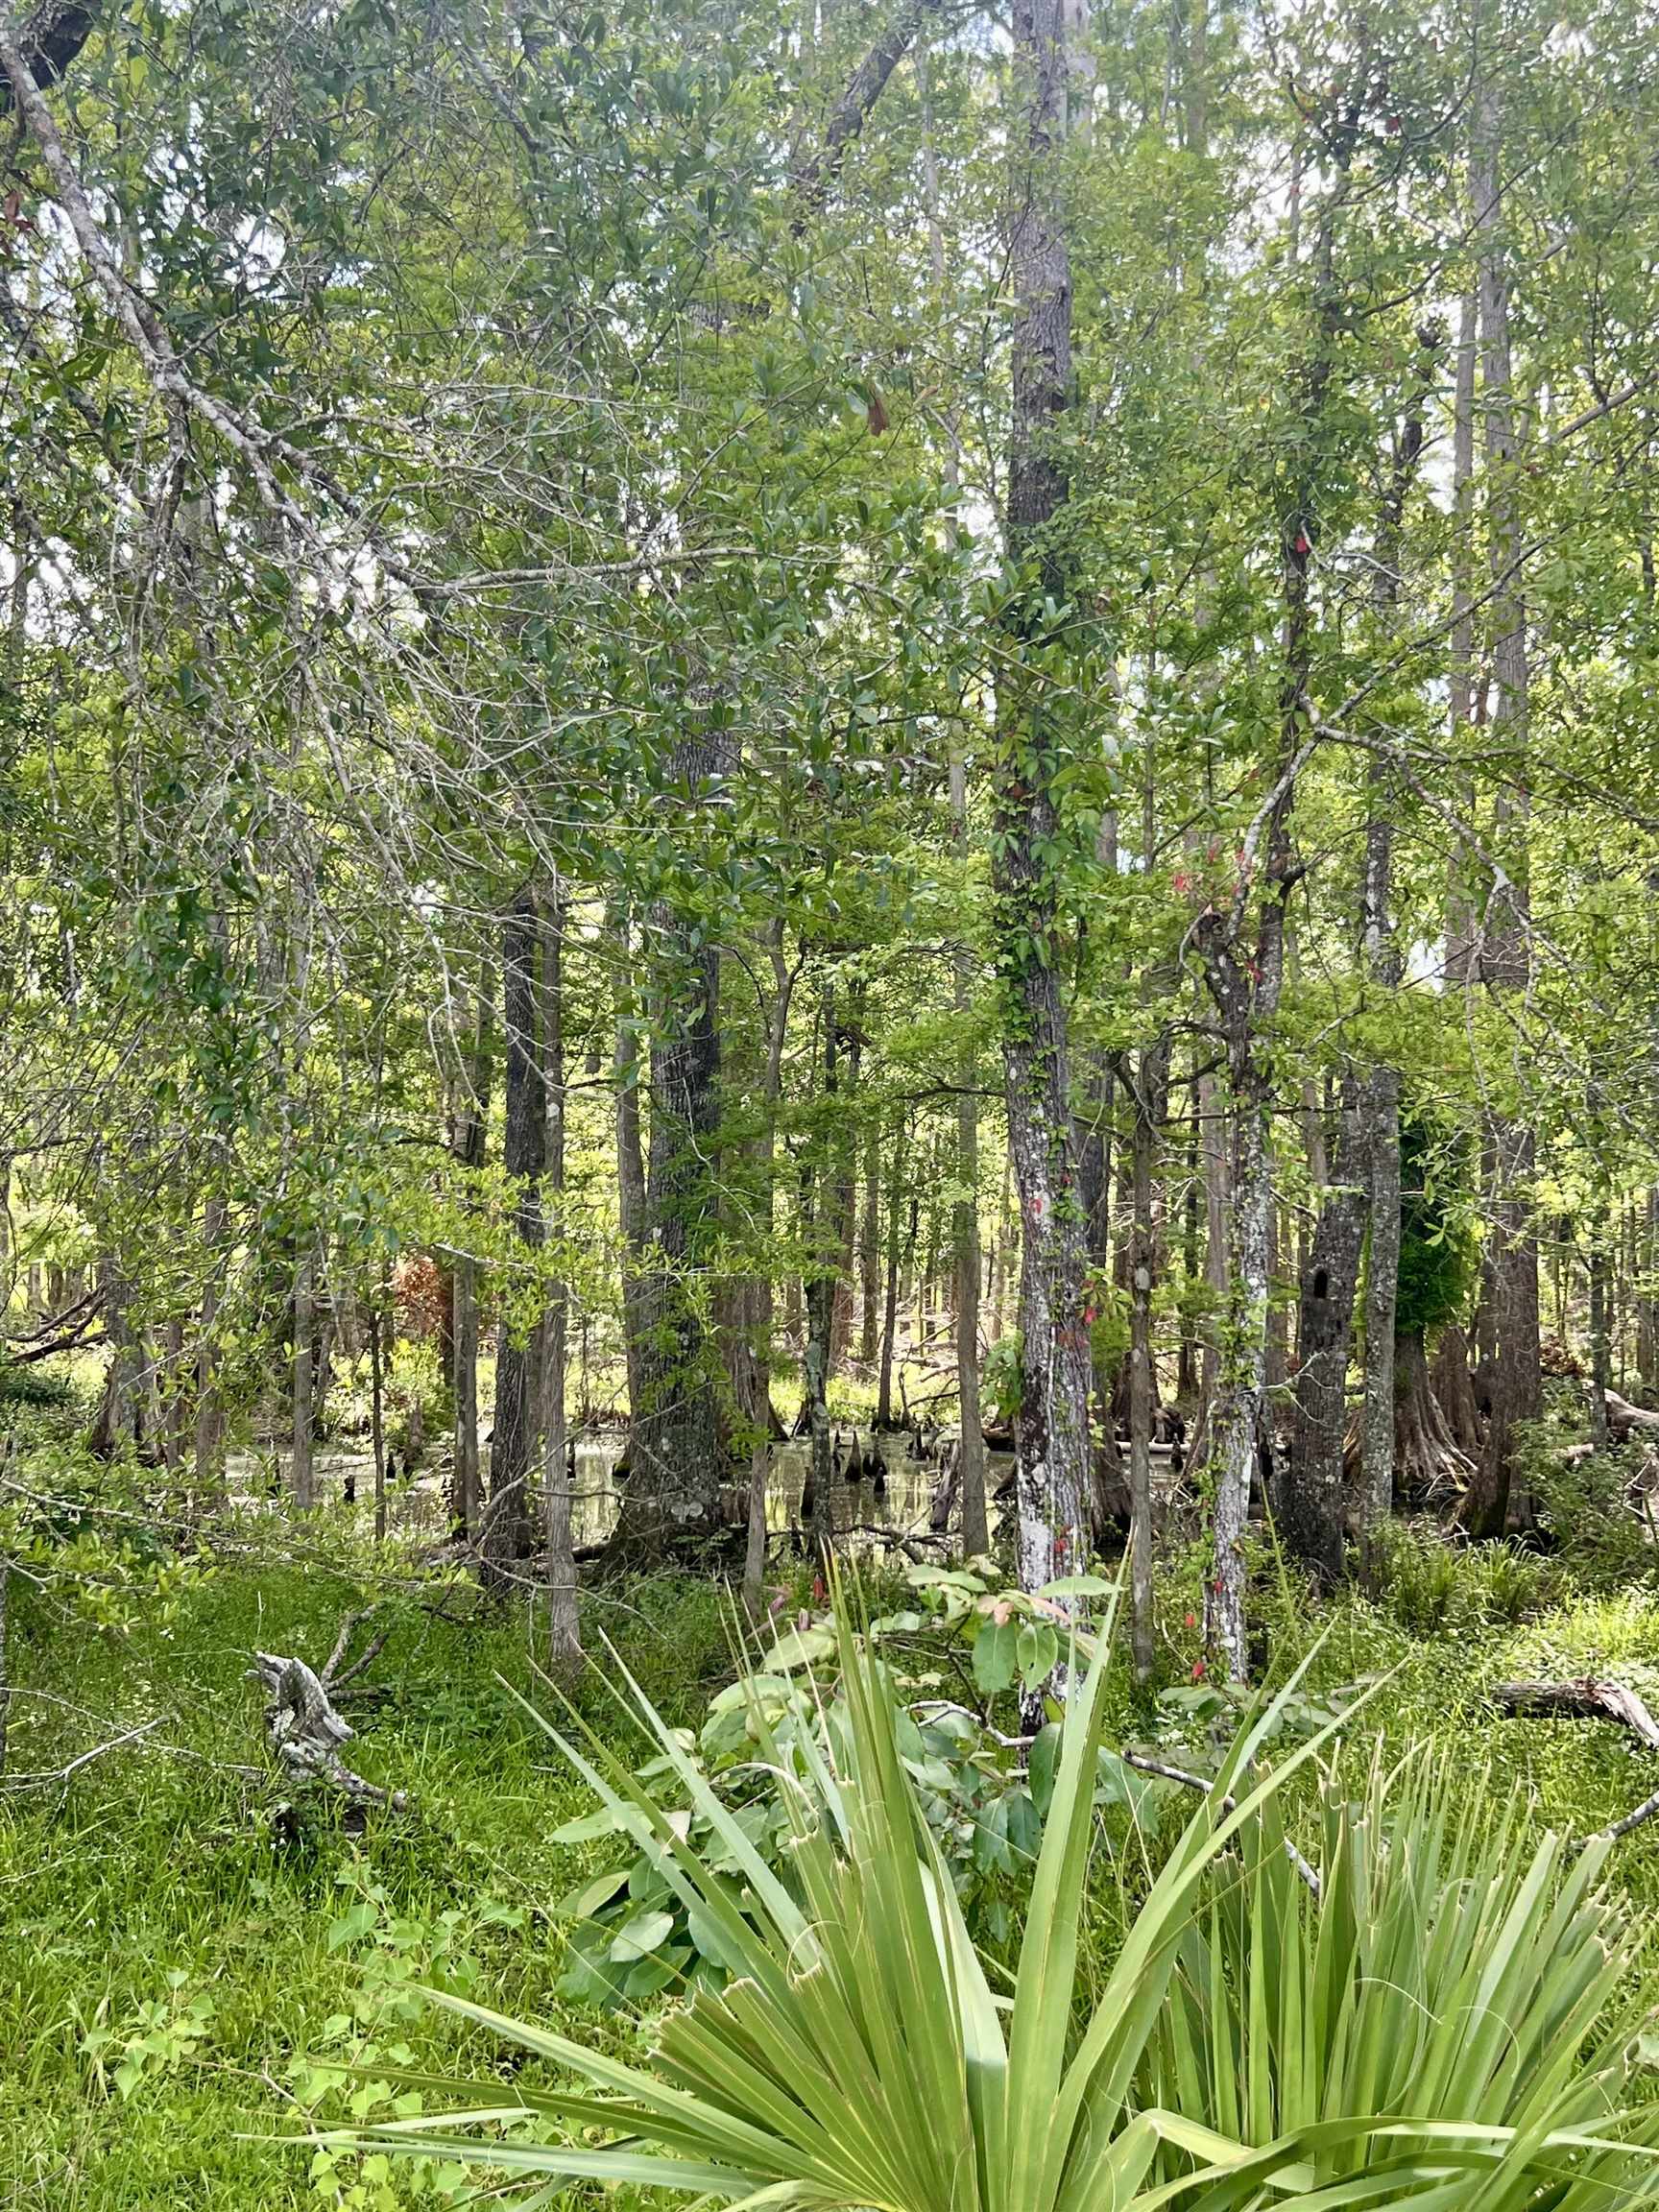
x=180 y=1951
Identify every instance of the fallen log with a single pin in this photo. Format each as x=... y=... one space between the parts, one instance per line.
x=1622 y=1416
x=1589 y=1698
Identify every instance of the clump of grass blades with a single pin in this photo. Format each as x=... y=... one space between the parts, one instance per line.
x=1440 y=2029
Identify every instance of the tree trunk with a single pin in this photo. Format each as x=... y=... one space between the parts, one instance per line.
x=1427 y=1459
x=1151 y=1079
x=976 y=1524
x=673 y=1494
x=304 y=1324
x=117 y=1426
x=870 y=1251
x=1310 y=1502
x=1246 y=988
x=1380 y=954
x=1505 y=960
x=1214 y=1146
x=1460 y=657
x=377 y=1407
x=1601 y=1376
x=564 y=1630
x=5 y=1657
x=1187 y=1359
x=506 y=1532
x=823 y=1234
x=630 y=1164
x=1381 y=1296
x=1454 y=1393
x=1052 y=1428
x=890 y=1295
x=176 y=1400
x=466 y=1147
x=210 y=1473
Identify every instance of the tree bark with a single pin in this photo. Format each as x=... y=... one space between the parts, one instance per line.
x=761 y=1289
x=466 y=1148
x=300 y=1477
x=870 y=1251
x=1505 y=957
x=210 y=1467
x=976 y=1524
x=890 y=1297
x=630 y=1168
x=378 y=1408
x=1454 y=1391
x=1052 y=1428
x=506 y=1531
x=1310 y=1502
x=673 y=1494
x=1600 y=1374
x=1151 y=1079
x=822 y=1230
x=563 y=1628
x=1380 y=956
x=1246 y=989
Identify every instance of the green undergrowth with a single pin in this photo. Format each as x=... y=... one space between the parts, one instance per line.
x=179 y=1931
x=190 y=1950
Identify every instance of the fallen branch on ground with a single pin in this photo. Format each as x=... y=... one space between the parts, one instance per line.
x=305 y=1732
x=1589 y=1698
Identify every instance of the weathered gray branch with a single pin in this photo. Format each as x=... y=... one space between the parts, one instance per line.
x=305 y=1732
x=1589 y=1698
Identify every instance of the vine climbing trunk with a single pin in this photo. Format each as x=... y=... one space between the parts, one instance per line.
x=1052 y=1428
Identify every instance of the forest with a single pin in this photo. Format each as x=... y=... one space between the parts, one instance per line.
x=830 y=1147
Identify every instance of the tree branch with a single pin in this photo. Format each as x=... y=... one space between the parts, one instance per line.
x=814 y=176
x=48 y=42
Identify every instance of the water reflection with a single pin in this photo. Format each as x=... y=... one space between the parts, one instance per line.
x=417 y=1507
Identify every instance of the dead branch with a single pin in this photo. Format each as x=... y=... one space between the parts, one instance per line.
x=58 y=1776
x=1589 y=1698
x=333 y=1678
x=305 y=1732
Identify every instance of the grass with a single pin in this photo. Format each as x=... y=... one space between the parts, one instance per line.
x=180 y=1962
x=165 y=1879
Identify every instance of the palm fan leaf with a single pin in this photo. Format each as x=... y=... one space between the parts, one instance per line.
x=1442 y=2027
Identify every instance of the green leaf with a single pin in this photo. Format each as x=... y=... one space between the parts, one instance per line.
x=640 y=1933
x=996 y=1656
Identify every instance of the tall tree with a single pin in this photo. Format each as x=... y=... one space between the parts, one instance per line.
x=1052 y=1428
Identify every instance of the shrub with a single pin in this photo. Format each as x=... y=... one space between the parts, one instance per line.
x=1444 y=2026
x=1433 y=1588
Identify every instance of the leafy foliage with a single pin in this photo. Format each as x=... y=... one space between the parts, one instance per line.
x=1240 y=2041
